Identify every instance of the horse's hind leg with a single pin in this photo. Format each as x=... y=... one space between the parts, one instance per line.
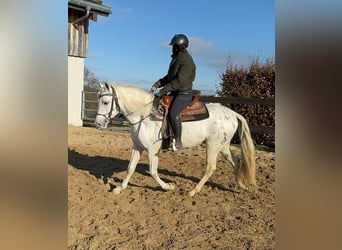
x=212 y=152
x=130 y=170
x=229 y=155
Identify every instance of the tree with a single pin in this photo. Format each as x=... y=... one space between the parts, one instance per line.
x=91 y=82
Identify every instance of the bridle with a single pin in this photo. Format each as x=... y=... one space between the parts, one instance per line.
x=114 y=100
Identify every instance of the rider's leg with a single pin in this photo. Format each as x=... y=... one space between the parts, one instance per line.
x=177 y=129
x=178 y=104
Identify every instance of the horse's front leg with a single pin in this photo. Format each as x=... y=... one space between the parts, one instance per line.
x=135 y=157
x=153 y=161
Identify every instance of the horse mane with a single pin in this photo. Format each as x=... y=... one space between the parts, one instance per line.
x=133 y=99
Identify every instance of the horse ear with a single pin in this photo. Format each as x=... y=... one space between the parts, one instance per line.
x=101 y=85
x=107 y=86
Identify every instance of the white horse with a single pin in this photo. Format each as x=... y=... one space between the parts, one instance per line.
x=217 y=130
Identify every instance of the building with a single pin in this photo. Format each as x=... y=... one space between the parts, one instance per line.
x=79 y=14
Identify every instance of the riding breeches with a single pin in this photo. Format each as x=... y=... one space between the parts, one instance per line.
x=179 y=103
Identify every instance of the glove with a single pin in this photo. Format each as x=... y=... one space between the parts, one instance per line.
x=155 y=85
x=162 y=92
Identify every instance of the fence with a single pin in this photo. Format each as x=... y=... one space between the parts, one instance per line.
x=89 y=108
x=239 y=100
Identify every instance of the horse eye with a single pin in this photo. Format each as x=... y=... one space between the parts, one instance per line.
x=105 y=103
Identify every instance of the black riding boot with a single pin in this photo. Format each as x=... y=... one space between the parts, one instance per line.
x=177 y=129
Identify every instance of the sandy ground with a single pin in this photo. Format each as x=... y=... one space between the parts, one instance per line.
x=143 y=216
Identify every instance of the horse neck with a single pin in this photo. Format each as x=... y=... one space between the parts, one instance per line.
x=134 y=103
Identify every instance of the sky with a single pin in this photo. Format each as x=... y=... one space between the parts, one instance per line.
x=130 y=46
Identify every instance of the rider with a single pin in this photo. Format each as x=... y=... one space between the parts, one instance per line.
x=178 y=83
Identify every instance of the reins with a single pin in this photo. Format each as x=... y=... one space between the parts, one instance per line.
x=141 y=119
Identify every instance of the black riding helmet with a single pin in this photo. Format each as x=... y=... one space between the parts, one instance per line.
x=181 y=40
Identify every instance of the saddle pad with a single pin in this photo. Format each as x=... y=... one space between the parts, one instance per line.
x=197 y=111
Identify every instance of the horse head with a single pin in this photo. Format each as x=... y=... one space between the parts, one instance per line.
x=107 y=106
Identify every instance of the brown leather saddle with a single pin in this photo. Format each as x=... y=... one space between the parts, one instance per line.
x=195 y=111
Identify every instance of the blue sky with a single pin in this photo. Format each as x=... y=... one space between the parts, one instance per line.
x=130 y=46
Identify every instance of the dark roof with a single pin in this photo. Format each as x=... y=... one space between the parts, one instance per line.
x=96 y=7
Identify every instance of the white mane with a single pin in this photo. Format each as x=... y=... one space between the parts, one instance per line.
x=132 y=99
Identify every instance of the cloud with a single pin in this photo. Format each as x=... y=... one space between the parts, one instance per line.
x=215 y=57
x=95 y=55
x=120 y=14
x=212 y=56
x=202 y=47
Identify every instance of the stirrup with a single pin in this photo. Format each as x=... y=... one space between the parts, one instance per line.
x=175 y=146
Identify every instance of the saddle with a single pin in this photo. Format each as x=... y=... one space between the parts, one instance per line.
x=195 y=111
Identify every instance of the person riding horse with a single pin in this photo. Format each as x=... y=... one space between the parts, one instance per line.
x=178 y=83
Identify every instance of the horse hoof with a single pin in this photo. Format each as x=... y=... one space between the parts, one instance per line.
x=242 y=185
x=171 y=186
x=192 y=193
x=117 y=190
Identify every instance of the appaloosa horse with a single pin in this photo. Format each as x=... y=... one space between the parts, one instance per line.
x=217 y=131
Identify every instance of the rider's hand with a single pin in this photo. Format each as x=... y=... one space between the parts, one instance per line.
x=155 y=86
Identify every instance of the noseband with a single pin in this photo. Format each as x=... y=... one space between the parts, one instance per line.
x=114 y=99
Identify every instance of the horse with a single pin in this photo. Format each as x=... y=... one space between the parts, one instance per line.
x=217 y=131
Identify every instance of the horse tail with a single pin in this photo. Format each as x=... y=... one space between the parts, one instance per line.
x=246 y=170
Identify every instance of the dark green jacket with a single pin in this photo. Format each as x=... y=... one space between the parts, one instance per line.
x=181 y=74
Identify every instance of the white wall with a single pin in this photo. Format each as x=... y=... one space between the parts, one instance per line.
x=75 y=87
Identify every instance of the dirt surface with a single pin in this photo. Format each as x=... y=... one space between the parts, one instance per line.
x=220 y=216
